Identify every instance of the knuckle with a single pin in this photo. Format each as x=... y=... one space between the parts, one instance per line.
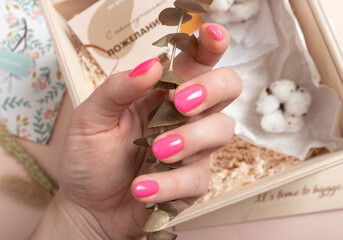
x=225 y=120
x=229 y=82
x=225 y=124
x=239 y=84
x=202 y=178
x=223 y=77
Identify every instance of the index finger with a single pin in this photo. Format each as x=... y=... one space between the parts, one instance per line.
x=214 y=40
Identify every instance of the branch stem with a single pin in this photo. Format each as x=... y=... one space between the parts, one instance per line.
x=175 y=44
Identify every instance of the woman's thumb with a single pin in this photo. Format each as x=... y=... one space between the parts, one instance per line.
x=102 y=110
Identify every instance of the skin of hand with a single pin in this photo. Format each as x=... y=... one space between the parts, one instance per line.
x=100 y=167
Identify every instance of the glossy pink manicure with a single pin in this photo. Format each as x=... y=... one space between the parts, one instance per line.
x=146 y=188
x=189 y=98
x=215 y=32
x=167 y=146
x=143 y=67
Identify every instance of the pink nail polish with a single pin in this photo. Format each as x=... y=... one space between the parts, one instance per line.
x=189 y=98
x=215 y=32
x=143 y=67
x=167 y=146
x=146 y=188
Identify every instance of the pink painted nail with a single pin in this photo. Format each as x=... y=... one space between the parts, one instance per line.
x=143 y=67
x=215 y=32
x=189 y=98
x=146 y=188
x=167 y=146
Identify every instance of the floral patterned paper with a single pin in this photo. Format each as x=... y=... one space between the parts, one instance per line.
x=29 y=105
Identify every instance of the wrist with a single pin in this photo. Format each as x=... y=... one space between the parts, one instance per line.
x=65 y=220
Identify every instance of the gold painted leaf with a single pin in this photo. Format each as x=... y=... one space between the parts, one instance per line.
x=141 y=142
x=206 y=7
x=164 y=85
x=169 y=208
x=158 y=167
x=173 y=165
x=146 y=142
x=163 y=41
x=171 y=16
x=161 y=235
x=154 y=111
x=167 y=115
x=151 y=139
x=171 y=77
x=192 y=6
x=157 y=221
x=208 y=2
x=187 y=44
x=151 y=159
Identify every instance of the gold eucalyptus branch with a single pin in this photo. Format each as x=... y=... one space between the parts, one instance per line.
x=165 y=113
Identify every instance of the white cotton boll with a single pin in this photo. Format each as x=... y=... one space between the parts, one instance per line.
x=221 y=5
x=294 y=124
x=274 y=122
x=267 y=103
x=243 y=10
x=221 y=17
x=299 y=103
x=283 y=89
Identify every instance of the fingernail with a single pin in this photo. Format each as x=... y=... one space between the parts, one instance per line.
x=189 y=98
x=146 y=188
x=167 y=146
x=143 y=67
x=215 y=32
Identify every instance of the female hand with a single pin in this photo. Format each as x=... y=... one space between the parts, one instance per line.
x=102 y=173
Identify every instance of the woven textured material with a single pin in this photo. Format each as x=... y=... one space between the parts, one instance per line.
x=30 y=164
x=240 y=163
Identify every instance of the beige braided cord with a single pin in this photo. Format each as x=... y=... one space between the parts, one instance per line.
x=13 y=147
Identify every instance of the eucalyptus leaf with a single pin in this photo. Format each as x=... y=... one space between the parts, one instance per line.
x=154 y=111
x=146 y=142
x=208 y=2
x=161 y=235
x=141 y=142
x=164 y=41
x=172 y=16
x=151 y=159
x=184 y=42
x=187 y=44
x=191 y=6
x=171 y=77
x=167 y=115
x=157 y=221
x=169 y=208
x=206 y=7
x=149 y=205
x=164 y=85
x=151 y=139
x=158 y=167
x=173 y=165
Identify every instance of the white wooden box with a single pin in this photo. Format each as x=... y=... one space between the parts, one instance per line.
x=324 y=51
